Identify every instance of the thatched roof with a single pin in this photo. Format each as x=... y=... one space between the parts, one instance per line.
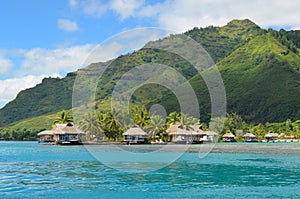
x=228 y=135
x=210 y=133
x=284 y=136
x=60 y=129
x=135 y=130
x=46 y=132
x=289 y=137
x=271 y=135
x=69 y=128
x=198 y=129
x=251 y=135
x=172 y=128
x=176 y=129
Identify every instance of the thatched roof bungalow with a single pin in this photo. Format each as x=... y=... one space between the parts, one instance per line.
x=250 y=137
x=178 y=134
x=135 y=135
x=46 y=136
x=228 y=137
x=271 y=137
x=62 y=134
x=210 y=136
x=67 y=134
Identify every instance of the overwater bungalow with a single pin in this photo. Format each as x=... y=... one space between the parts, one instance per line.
x=46 y=136
x=286 y=138
x=135 y=135
x=62 y=134
x=67 y=134
x=250 y=137
x=210 y=136
x=228 y=137
x=271 y=137
x=178 y=134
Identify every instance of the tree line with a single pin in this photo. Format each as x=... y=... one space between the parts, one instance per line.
x=107 y=126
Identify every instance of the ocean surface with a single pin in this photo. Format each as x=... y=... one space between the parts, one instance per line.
x=32 y=170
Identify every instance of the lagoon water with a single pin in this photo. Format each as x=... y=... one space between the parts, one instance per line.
x=31 y=170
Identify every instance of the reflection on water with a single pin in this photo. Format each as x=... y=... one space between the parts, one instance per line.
x=29 y=170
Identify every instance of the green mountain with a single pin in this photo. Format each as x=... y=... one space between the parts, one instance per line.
x=260 y=70
x=261 y=81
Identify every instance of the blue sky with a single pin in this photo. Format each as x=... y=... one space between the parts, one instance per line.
x=42 y=38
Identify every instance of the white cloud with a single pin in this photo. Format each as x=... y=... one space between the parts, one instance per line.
x=73 y=3
x=67 y=25
x=9 y=88
x=5 y=65
x=96 y=8
x=39 y=61
x=182 y=15
x=125 y=8
x=150 y=10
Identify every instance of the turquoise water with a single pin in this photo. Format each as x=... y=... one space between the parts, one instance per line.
x=30 y=170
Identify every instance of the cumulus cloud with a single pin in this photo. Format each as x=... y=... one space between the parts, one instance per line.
x=5 y=65
x=97 y=8
x=67 y=25
x=40 y=61
x=94 y=8
x=125 y=8
x=73 y=3
x=9 y=88
x=182 y=15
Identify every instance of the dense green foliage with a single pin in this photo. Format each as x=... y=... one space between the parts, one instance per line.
x=262 y=85
x=221 y=41
x=27 y=129
x=291 y=39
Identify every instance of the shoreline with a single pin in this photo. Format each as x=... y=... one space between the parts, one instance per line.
x=292 y=148
x=258 y=148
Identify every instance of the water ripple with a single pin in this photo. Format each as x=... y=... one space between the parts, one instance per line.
x=73 y=173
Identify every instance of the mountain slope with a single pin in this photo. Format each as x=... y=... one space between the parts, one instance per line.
x=262 y=84
x=52 y=95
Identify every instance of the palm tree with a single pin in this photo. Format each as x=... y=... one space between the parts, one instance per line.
x=259 y=131
x=233 y=122
x=63 y=118
x=156 y=126
x=186 y=121
x=174 y=118
x=90 y=125
x=110 y=125
x=141 y=117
